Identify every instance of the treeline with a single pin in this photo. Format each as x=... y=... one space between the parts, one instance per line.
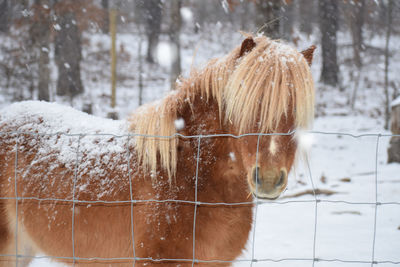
x=38 y=28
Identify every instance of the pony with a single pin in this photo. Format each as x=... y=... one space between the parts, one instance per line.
x=172 y=185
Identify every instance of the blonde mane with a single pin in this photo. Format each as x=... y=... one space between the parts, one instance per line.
x=257 y=88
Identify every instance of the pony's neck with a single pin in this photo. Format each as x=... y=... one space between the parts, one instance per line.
x=201 y=117
x=221 y=173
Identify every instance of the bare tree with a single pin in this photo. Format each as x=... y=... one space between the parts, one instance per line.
x=174 y=35
x=389 y=8
x=268 y=16
x=286 y=19
x=355 y=13
x=356 y=21
x=140 y=69
x=306 y=14
x=106 y=23
x=68 y=49
x=152 y=12
x=40 y=36
x=4 y=15
x=328 y=23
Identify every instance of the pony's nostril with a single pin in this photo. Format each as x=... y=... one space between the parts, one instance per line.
x=256 y=175
x=282 y=178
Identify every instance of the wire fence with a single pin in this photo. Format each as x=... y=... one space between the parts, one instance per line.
x=257 y=202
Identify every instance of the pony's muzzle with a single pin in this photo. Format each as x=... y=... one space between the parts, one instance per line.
x=268 y=184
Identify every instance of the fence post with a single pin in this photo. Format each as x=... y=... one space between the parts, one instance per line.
x=394 y=147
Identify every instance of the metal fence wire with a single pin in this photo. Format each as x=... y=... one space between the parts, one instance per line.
x=257 y=202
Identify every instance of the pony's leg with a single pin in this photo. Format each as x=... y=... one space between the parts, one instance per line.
x=8 y=245
x=7 y=251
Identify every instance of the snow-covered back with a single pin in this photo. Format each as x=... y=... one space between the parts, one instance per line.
x=56 y=136
x=56 y=118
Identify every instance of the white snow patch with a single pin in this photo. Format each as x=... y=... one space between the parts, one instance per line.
x=45 y=49
x=232 y=156
x=179 y=124
x=60 y=129
x=57 y=27
x=305 y=140
x=225 y=6
x=395 y=102
x=166 y=54
x=186 y=14
x=43 y=262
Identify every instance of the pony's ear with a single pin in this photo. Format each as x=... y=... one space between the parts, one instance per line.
x=308 y=54
x=247 y=45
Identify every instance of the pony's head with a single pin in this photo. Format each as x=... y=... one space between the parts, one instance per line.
x=262 y=86
x=266 y=87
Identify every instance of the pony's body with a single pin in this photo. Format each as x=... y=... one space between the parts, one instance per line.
x=49 y=173
x=68 y=183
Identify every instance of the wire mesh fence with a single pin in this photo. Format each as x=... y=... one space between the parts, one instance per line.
x=256 y=202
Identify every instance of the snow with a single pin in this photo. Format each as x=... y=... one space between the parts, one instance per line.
x=396 y=102
x=166 y=54
x=225 y=6
x=179 y=124
x=45 y=262
x=187 y=14
x=232 y=156
x=101 y=143
x=305 y=140
x=58 y=118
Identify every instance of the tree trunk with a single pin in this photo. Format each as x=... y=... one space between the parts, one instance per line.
x=113 y=54
x=199 y=16
x=244 y=12
x=106 y=22
x=68 y=52
x=268 y=17
x=4 y=15
x=152 y=10
x=174 y=35
x=287 y=20
x=389 y=8
x=44 y=72
x=140 y=70
x=394 y=147
x=40 y=35
x=328 y=22
x=306 y=11
x=356 y=24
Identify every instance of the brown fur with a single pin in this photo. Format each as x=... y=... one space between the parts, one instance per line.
x=309 y=53
x=162 y=230
x=271 y=81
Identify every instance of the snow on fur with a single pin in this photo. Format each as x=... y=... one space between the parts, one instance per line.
x=52 y=133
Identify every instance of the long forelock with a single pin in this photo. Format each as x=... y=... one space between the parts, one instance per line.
x=259 y=88
x=268 y=83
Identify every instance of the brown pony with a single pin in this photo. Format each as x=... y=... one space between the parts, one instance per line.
x=173 y=185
